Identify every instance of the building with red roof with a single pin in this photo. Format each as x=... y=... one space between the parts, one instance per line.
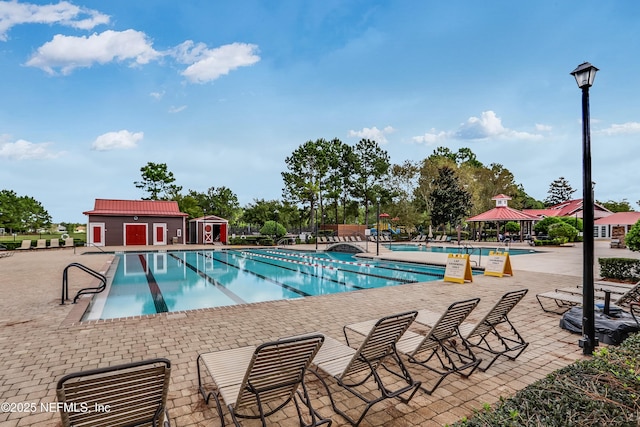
x=616 y=225
x=135 y=222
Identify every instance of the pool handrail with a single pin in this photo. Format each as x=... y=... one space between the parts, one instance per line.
x=83 y=291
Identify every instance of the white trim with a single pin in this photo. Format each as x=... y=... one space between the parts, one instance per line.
x=102 y=227
x=156 y=226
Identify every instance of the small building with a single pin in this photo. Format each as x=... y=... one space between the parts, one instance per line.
x=208 y=230
x=135 y=222
x=615 y=226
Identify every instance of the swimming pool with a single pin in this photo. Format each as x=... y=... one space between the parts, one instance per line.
x=157 y=282
x=455 y=249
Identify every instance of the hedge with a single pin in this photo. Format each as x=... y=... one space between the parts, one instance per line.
x=626 y=269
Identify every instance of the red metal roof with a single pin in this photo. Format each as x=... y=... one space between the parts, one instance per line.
x=503 y=213
x=619 y=218
x=568 y=208
x=109 y=207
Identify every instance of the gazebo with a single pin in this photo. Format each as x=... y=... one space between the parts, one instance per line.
x=502 y=213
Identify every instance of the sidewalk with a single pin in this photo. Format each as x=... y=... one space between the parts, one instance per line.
x=39 y=344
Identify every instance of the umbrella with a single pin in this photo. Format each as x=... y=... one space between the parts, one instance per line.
x=384 y=215
x=430 y=232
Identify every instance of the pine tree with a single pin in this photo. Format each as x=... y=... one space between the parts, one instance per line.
x=559 y=191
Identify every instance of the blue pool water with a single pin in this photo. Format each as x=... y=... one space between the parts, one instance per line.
x=454 y=249
x=147 y=283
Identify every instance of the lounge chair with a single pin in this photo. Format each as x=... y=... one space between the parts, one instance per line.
x=41 y=244
x=123 y=395
x=353 y=368
x=322 y=239
x=437 y=350
x=255 y=382
x=488 y=334
x=564 y=301
x=26 y=244
x=68 y=242
x=54 y=243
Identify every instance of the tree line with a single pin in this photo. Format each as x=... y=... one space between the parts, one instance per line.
x=332 y=182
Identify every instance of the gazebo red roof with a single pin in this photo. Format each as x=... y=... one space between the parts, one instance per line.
x=503 y=213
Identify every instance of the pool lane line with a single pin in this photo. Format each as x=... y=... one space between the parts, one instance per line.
x=156 y=293
x=232 y=295
x=328 y=267
x=359 y=264
x=282 y=285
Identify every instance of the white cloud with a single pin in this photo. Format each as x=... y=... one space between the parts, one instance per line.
x=487 y=126
x=543 y=128
x=25 y=150
x=68 y=53
x=373 y=134
x=157 y=95
x=209 y=64
x=490 y=126
x=13 y=13
x=432 y=137
x=621 y=129
x=120 y=140
x=177 y=109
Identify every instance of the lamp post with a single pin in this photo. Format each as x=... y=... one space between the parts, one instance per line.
x=584 y=74
x=316 y=229
x=378 y=230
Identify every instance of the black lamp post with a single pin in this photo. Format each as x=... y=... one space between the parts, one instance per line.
x=316 y=229
x=378 y=230
x=585 y=73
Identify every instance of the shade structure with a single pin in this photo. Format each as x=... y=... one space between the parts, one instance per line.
x=503 y=213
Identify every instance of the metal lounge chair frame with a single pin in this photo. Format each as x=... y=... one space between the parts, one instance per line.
x=564 y=301
x=352 y=368
x=439 y=346
x=125 y=395
x=507 y=341
x=263 y=379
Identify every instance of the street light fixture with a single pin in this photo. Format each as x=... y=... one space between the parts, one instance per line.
x=584 y=74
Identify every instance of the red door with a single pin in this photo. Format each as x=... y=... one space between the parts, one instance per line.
x=136 y=234
x=97 y=235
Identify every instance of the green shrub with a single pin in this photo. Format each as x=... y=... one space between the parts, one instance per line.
x=272 y=228
x=632 y=239
x=627 y=269
x=542 y=227
x=602 y=391
x=563 y=231
x=512 y=227
x=572 y=220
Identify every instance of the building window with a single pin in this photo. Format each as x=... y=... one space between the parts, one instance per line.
x=595 y=231
x=603 y=231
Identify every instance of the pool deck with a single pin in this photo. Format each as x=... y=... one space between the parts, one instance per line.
x=41 y=340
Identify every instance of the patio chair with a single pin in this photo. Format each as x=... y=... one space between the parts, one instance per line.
x=354 y=368
x=564 y=301
x=255 y=382
x=26 y=244
x=54 y=243
x=41 y=244
x=437 y=350
x=123 y=395
x=488 y=334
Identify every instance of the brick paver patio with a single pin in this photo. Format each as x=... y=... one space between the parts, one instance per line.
x=41 y=340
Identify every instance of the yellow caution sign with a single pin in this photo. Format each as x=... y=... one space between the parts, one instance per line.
x=458 y=269
x=498 y=264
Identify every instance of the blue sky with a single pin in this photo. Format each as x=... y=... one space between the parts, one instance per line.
x=223 y=92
